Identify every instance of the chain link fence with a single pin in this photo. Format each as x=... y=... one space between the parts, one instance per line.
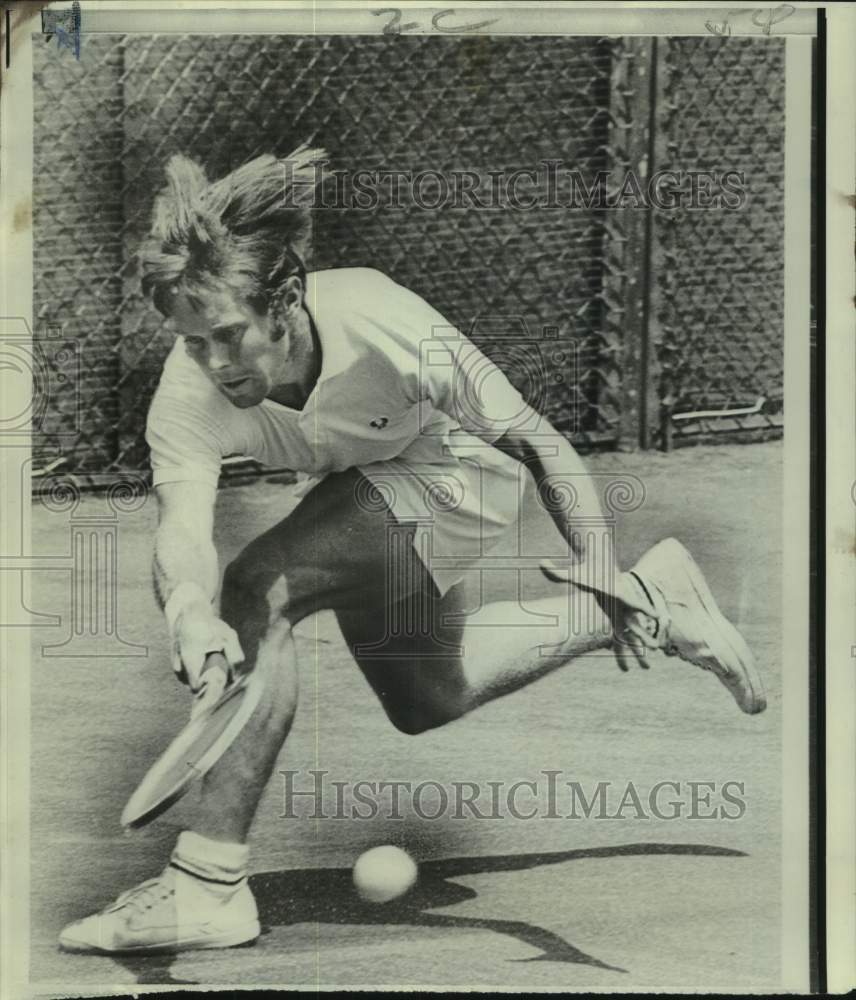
x=516 y=281
x=718 y=290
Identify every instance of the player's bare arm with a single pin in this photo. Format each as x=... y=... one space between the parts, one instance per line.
x=186 y=574
x=555 y=466
x=184 y=547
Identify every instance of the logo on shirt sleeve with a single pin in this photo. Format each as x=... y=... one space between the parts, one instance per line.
x=379 y=423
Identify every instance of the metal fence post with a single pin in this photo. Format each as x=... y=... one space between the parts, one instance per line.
x=648 y=394
x=633 y=95
x=714 y=328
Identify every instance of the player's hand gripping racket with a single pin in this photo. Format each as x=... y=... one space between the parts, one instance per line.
x=220 y=712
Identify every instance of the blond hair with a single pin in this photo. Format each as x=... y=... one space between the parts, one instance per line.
x=247 y=232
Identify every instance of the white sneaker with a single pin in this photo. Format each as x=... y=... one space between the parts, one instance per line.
x=173 y=912
x=692 y=626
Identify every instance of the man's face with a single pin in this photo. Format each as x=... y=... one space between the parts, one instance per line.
x=233 y=345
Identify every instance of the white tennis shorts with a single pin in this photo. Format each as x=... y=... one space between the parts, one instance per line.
x=462 y=506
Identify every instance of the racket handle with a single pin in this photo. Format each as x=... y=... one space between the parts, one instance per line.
x=213 y=681
x=215 y=661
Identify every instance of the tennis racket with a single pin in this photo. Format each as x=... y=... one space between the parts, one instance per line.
x=220 y=712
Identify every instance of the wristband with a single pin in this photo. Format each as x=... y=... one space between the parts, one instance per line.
x=184 y=594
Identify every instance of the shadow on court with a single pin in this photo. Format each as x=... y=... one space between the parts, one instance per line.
x=327 y=896
x=497 y=905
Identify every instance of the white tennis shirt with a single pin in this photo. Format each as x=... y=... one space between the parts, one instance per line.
x=402 y=395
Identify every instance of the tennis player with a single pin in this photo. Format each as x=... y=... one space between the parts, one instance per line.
x=357 y=382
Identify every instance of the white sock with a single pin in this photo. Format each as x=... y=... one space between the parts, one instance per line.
x=215 y=862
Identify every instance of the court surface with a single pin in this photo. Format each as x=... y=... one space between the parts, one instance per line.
x=594 y=904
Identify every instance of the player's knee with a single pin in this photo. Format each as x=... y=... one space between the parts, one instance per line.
x=281 y=702
x=253 y=587
x=276 y=656
x=409 y=723
x=415 y=719
x=249 y=584
x=243 y=582
x=272 y=723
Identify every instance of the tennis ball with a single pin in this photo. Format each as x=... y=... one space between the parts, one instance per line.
x=384 y=873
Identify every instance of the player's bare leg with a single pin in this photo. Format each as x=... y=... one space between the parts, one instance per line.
x=329 y=553
x=326 y=553
x=450 y=665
